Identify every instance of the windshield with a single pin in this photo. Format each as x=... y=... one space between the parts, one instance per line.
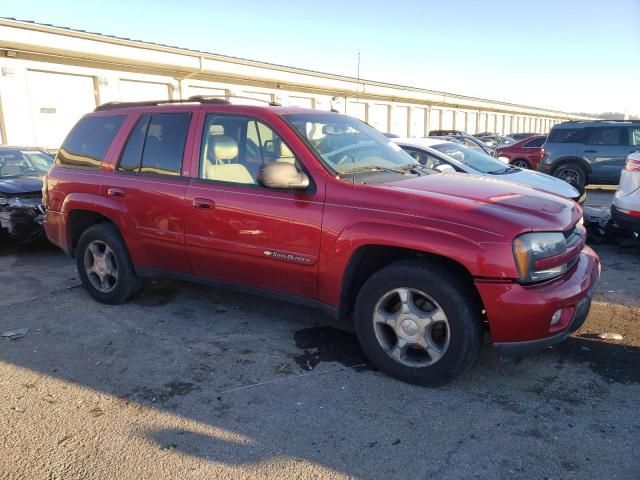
x=347 y=145
x=475 y=159
x=18 y=163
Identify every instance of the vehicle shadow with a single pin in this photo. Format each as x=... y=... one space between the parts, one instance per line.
x=229 y=363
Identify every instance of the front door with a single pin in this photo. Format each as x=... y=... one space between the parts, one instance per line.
x=240 y=232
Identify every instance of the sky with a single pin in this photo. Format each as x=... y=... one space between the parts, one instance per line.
x=569 y=55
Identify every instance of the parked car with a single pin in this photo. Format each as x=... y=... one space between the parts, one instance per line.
x=496 y=141
x=21 y=211
x=441 y=133
x=590 y=151
x=525 y=153
x=625 y=209
x=433 y=153
x=521 y=136
x=484 y=134
x=321 y=209
x=470 y=142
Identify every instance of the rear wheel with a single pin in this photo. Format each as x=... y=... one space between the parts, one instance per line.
x=104 y=265
x=419 y=323
x=573 y=174
x=521 y=163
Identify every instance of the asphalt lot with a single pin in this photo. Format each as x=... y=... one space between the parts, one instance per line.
x=192 y=382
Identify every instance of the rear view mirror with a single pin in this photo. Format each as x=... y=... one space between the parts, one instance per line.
x=283 y=175
x=444 y=168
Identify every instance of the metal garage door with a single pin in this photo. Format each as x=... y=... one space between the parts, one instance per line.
x=134 y=91
x=417 y=122
x=400 y=121
x=57 y=102
x=358 y=110
x=193 y=90
x=303 y=102
x=379 y=117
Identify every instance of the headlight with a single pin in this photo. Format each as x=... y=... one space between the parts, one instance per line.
x=14 y=202
x=531 y=247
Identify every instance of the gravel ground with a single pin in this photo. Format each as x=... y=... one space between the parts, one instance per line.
x=193 y=382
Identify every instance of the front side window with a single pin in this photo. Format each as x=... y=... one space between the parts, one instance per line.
x=88 y=141
x=235 y=148
x=426 y=159
x=156 y=144
x=612 y=136
x=347 y=145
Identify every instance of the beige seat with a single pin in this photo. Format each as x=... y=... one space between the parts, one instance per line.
x=286 y=155
x=221 y=151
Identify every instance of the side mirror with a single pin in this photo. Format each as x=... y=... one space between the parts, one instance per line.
x=283 y=175
x=444 y=168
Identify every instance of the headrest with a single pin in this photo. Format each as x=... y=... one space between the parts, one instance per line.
x=222 y=148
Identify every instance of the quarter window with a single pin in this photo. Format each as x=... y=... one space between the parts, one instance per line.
x=535 y=143
x=88 y=141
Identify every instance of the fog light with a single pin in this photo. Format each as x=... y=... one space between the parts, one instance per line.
x=555 y=318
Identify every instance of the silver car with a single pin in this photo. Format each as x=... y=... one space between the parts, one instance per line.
x=625 y=208
x=448 y=156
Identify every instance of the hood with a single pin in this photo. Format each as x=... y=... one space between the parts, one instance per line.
x=484 y=202
x=543 y=182
x=20 y=185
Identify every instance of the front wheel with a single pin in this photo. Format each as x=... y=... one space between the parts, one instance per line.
x=573 y=174
x=104 y=265
x=419 y=323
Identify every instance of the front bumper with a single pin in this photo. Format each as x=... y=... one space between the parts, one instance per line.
x=22 y=224
x=624 y=221
x=519 y=316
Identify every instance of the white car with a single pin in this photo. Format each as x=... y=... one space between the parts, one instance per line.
x=446 y=156
x=625 y=208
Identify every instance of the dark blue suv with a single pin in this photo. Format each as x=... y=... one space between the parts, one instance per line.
x=590 y=151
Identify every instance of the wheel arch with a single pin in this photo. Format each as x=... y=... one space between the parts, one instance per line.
x=368 y=259
x=581 y=162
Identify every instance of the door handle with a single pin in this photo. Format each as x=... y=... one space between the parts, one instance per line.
x=203 y=203
x=591 y=151
x=115 y=192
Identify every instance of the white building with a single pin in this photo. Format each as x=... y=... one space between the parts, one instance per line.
x=50 y=76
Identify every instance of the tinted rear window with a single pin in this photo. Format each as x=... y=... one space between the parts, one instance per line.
x=569 y=135
x=536 y=142
x=88 y=141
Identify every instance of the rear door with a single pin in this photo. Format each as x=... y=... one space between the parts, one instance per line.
x=149 y=185
x=606 y=151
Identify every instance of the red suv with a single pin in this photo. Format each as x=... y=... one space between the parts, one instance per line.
x=526 y=153
x=321 y=209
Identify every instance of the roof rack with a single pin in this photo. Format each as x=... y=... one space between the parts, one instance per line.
x=153 y=103
x=210 y=99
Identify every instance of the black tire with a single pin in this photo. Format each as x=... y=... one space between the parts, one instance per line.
x=573 y=174
x=455 y=297
x=521 y=163
x=127 y=283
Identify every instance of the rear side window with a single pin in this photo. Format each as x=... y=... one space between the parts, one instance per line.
x=156 y=144
x=536 y=142
x=569 y=135
x=88 y=141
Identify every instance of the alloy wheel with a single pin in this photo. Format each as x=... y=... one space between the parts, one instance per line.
x=411 y=327
x=101 y=266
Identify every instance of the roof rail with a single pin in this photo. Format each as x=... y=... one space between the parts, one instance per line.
x=153 y=103
x=210 y=99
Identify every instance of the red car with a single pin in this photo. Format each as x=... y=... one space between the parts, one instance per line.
x=526 y=153
x=321 y=209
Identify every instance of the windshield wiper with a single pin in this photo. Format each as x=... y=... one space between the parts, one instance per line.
x=370 y=169
x=502 y=170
